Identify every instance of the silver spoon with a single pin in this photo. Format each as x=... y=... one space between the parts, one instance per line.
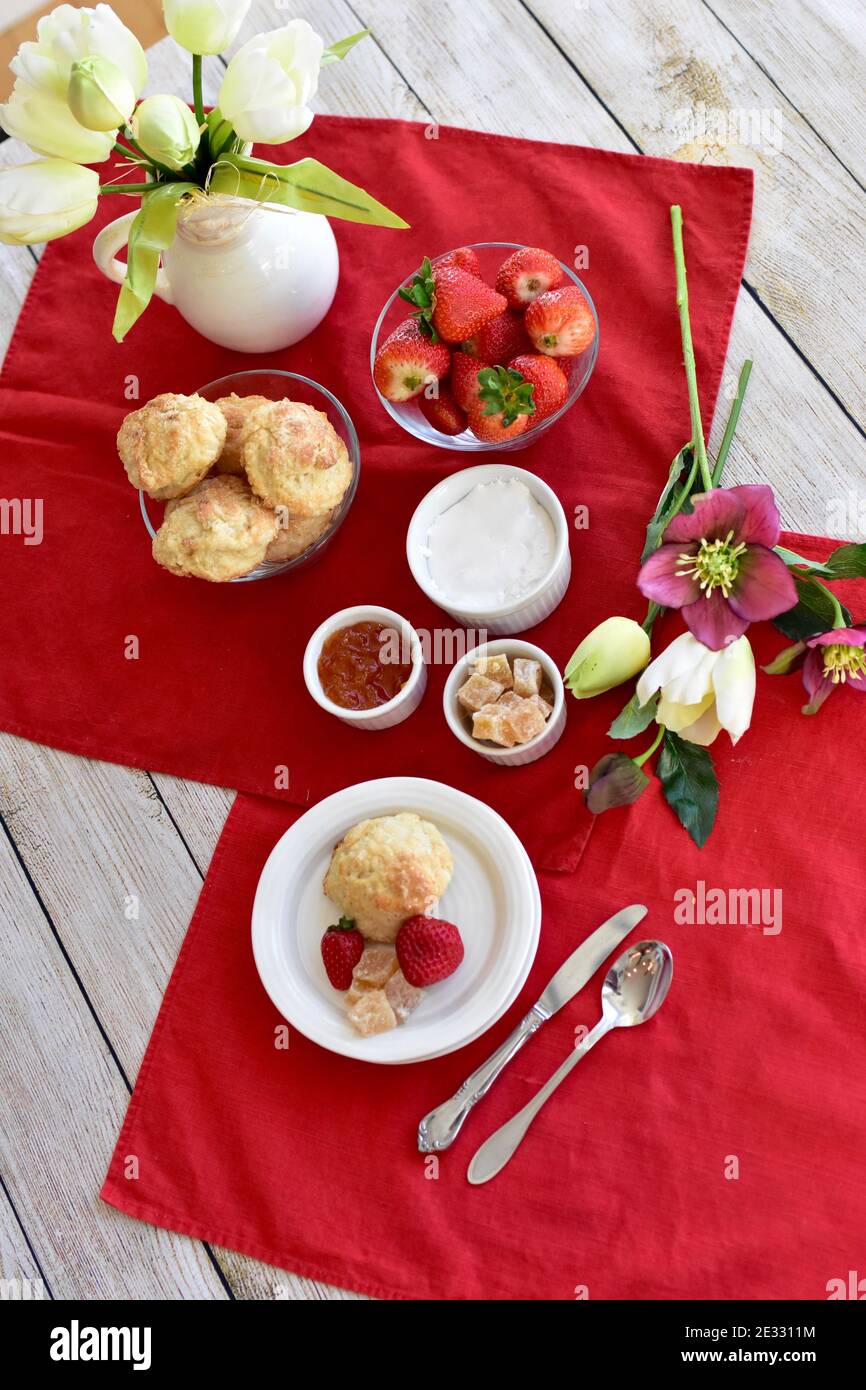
x=634 y=989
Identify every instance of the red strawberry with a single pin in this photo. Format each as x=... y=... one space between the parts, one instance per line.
x=464 y=379
x=464 y=258
x=462 y=304
x=504 y=405
x=429 y=950
x=548 y=379
x=561 y=323
x=443 y=412
x=342 y=948
x=499 y=340
x=528 y=273
x=408 y=361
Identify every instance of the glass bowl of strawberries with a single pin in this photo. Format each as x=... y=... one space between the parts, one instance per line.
x=485 y=347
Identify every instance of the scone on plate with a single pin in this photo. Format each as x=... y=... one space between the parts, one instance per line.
x=169 y=445
x=386 y=870
x=220 y=531
x=295 y=534
x=236 y=410
x=294 y=458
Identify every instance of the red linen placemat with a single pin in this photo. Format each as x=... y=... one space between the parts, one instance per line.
x=715 y=1153
x=216 y=693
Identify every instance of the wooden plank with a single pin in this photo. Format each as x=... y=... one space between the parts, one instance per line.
x=813 y=51
x=55 y=1063
x=20 y=1275
x=682 y=87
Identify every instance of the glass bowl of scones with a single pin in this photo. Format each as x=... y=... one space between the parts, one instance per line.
x=249 y=477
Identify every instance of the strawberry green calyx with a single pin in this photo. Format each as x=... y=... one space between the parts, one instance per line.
x=506 y=393
x=344 y=924
x=422 y=294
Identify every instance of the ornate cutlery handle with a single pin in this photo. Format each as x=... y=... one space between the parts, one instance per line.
x=439 y=1129
x=495 y=1152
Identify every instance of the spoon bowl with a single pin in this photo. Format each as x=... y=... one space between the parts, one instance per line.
x=637 y=983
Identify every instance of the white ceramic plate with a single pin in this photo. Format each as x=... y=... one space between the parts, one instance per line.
x=493 y=897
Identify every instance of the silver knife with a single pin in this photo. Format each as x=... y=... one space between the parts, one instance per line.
x=439 y=1129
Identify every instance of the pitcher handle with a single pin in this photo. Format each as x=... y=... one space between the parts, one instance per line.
x=109 y=241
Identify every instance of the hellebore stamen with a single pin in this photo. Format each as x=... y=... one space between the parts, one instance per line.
x=842 y=660
x=715 y=566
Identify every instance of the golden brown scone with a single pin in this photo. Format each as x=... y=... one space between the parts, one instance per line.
x=236 y=410
x=294 y=458
x=296 y=534
x=170 y=444
x=386 y=870
x=220 y=531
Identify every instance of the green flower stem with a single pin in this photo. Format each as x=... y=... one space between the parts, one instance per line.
x=652 y=613
x=128 y=187
x=731 y=426
x=838 y=615
x=198 y=103
x=698 y=440
x=147 y=159
x=645 y=757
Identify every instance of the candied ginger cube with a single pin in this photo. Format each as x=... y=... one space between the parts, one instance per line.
x=524 y=721
x=403 y=997
x=372 y=1014
x=542 y=704
x=491 y=724
x=508 y=699
x=527 y=676
x=375 y=967
x=356 y=991
x=495 y=668
x=478 y=692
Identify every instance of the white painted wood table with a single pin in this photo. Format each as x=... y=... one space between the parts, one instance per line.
x=776 y=84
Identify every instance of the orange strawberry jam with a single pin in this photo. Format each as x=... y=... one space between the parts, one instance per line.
x=357 y=666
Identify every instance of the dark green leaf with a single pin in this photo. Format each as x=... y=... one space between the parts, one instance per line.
x=791 y=557
x=813 y=613
x=690 y=786
x=667 y=502
x=848 y=562
x=634 y=718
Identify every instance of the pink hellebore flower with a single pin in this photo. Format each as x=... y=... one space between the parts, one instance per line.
x=834 y=658
x=717 y=564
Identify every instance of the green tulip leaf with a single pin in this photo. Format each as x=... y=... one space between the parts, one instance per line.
x=792 y=559
x=634 y=718
x=813 y=612
x=690 y=786
x=337 y=51
x=308 y=186
x=151 y=233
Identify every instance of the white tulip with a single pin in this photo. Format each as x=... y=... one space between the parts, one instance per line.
x=44 y=200
x=167 y=130
x=204 y=26
x=46 y=124
x=269 y=82
x=68 y=35
x=702 y=692
x=100 y=95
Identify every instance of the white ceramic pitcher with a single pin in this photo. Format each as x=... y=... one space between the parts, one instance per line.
x=254 y=277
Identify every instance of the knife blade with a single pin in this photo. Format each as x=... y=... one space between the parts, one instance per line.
x=439 y=1128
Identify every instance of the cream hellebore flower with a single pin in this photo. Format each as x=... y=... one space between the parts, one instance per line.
x=167 y=130
x=702 y=691
x=269 y=82
x=612 y=653
x=38 y=110
x=100 y=95
x=44 y=200
x=204 y=26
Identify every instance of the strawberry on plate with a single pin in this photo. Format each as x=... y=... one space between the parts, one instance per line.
x=443 y=412
x=451 y=303
x=408 y=361
x=342 y=948
x=548 y=379
x=464 y=379
x=464 y=258
x=504 y=406
x=429 y=950
x=526 y=274
x=560 y=323
x=498 y=340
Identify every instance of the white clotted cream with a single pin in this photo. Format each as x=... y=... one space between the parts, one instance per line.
x=490 y=549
